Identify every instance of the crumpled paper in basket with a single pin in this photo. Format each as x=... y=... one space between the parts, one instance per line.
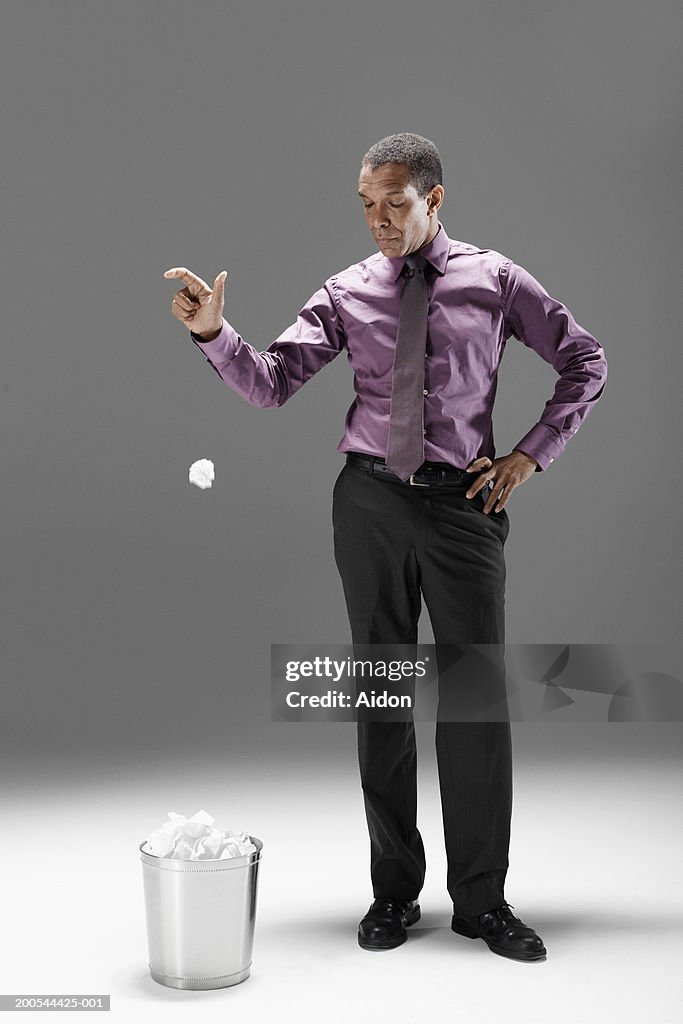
x=194 y=838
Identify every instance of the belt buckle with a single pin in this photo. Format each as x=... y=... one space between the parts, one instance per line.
x=416 y=483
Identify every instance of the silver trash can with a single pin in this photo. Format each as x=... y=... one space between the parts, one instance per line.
x=200 y=918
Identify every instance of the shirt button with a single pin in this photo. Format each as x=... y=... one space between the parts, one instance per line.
x=425 y=392
x=552 y=460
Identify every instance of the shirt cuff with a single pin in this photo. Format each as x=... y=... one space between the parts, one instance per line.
x=220 y=349
x=543 y=444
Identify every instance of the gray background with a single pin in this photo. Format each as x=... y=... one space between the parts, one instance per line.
x=139 y=611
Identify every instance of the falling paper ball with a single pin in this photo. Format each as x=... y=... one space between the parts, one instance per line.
x=201 y=473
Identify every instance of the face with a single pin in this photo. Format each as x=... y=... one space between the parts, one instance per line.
x=398 y=219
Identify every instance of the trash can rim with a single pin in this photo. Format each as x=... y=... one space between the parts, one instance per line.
x=178 y=864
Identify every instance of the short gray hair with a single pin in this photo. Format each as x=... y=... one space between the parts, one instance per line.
x=419 y=154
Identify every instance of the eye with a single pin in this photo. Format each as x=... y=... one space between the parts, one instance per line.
x=395 y=205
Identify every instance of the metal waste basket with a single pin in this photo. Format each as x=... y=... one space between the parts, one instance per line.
x=200 y=918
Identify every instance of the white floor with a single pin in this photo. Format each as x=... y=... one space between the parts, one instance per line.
x=594 y=868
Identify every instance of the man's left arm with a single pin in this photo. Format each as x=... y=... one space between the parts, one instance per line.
x=544 y=324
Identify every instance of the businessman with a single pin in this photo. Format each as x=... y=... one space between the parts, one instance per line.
x=419 y=507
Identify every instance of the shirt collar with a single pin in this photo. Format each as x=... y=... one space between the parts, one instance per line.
x=436 y=252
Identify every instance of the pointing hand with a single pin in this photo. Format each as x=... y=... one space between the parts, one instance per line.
x=197 y=305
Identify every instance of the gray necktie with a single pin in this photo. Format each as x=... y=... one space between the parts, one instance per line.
x=405 y=448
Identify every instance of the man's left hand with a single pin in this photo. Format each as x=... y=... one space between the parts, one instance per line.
x=506 y=473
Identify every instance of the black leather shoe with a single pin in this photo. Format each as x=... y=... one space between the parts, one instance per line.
x=503 y=933
x=384 y=925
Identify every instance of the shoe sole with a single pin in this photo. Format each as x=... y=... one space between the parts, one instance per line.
x=528 y=956
x=393 y=943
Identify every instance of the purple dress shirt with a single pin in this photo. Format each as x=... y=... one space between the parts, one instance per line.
x=478 y=298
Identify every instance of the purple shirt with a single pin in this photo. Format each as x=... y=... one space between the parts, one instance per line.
x=478 y=298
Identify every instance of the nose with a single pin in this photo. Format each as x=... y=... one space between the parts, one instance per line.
x=379 y=224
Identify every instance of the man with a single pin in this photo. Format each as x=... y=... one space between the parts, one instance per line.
x=424 y=322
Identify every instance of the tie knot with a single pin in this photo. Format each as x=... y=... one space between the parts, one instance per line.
x=414 y=262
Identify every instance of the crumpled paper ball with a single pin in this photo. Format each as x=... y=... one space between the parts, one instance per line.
x=194 y=838
x=202 y=473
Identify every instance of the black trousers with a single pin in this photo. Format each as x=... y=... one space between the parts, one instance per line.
x=394 y=542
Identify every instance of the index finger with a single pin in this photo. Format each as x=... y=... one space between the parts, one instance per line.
x=190 y=279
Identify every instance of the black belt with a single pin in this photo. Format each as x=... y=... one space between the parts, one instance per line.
x=430 y=474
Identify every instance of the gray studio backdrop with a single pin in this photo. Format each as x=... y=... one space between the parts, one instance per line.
x=139 y=610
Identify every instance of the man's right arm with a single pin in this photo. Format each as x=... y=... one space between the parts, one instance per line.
x=272 y=377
